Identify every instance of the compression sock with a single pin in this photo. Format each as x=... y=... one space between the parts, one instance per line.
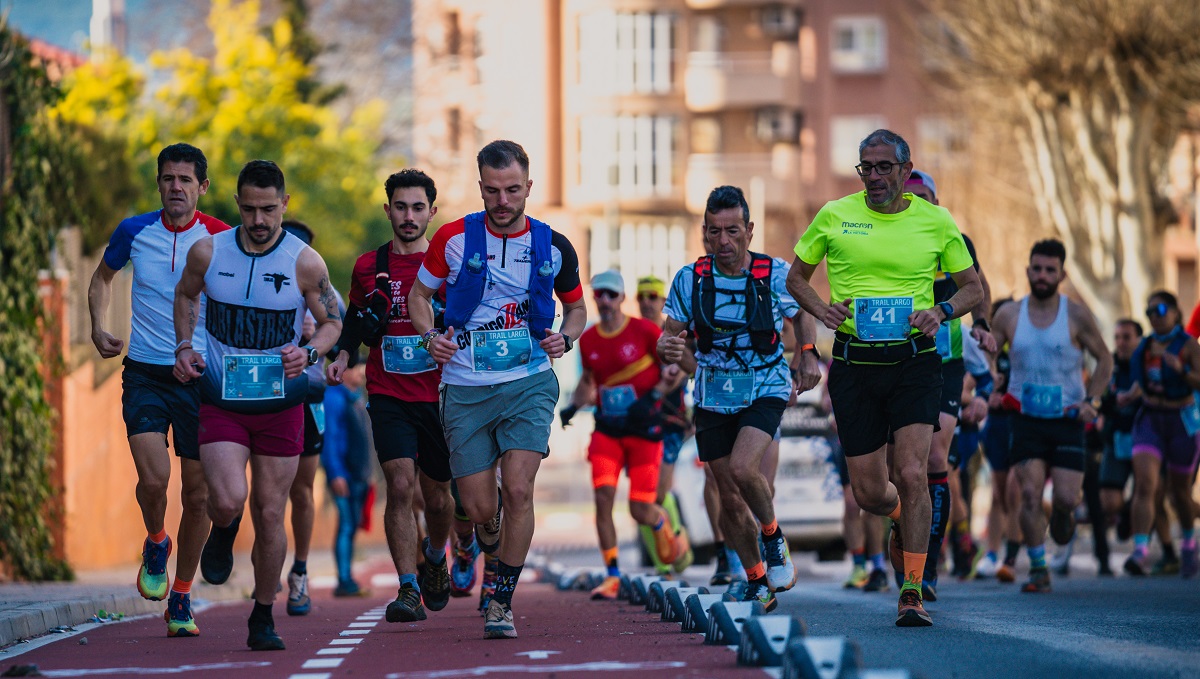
x=506 y=582
x=1037 y=557
x=939 y=498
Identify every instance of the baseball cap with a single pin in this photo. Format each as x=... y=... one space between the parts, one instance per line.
x=652 y=284
x=919 y=177
x=610 y=280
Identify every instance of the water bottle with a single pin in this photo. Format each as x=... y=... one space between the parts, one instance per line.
x=546 y=269
x=475 y=264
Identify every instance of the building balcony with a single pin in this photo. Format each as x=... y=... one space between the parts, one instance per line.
x=772 y=177
x=714 y=81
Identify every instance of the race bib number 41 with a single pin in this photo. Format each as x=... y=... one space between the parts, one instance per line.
x=402 y=356
x=500 y=350
x=882 y=318
x=727 y=389
x=253 y=377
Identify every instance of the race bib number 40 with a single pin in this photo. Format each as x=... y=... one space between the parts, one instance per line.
x=727 y=389
x=402 y=356
x=500 y=350
x=882 y=318
x=253 y=377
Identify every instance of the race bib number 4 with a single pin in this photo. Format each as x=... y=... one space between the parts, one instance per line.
x=500 y=350
x=615 y=401
x=254 y=377
x=727 y=389
x=882 y=318
x=402 y=356
x=1041 y=400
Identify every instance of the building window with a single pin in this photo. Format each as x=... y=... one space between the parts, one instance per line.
x=858 y=44
x=626 y=52
x=845 y=134
x=638 y=248
x=633 y=154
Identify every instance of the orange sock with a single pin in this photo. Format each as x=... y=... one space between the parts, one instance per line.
x=610 y=556
x=182 y=586
x=769 y=529
x=158 y=537
x=914 y=568
x=756 y=572
x=894 y=515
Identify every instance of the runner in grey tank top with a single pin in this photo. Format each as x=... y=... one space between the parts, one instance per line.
x=1047 y=335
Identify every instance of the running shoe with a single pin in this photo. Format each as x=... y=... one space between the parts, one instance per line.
x=348 y=588
x=498 y=621
x=462 y=571
x=987 y=567
x=1062 y=525
x=152 y=581
x=436 y=588
x=179 y=616
x=877 y=582
x=666 y=545
x=298 y=601
x=910 y=612
x=262 y=637
x=487 y=535
x=1060 y=563
x=858 y=578
x=216 y=561
x=722 y=575
x=965 y=569
x=1006 y=573
x=1104 y=570
x=686 y=555
x=607 y=589
x=781 y=573
x=1188 y=566
x=763 y=595
x=1167 y=565
x=407 y=606
x=1138 y=564
x=487 y=584
x=1039 y=581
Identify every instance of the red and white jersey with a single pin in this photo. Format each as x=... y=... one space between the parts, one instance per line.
x=506 y=295
x=625 y=357
x=158 y=252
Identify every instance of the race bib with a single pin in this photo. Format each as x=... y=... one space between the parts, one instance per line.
x=1123 y=445
x=943 y=340
x=615 y=401
x=1042 y=400
x=253 y=377
x=402 y=356
x=500 y=350
x=726 y=388
x=882 y=318
x=318 y=413
x=1191 y=417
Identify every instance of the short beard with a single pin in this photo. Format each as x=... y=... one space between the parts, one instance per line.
x=1033 y=290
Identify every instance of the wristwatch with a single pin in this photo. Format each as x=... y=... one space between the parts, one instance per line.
x=947 y=309
x=813 y=348
x=567 y=340
x=313 y=356
x=982 y=323
x=1095 y=402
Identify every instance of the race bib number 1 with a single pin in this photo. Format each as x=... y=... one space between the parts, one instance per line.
x=500 y=350
x=402 y=356
x=253 y=377
x=882 y=318
x=727 y=389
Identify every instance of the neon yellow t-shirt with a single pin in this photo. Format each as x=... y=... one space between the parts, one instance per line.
x=871 y=254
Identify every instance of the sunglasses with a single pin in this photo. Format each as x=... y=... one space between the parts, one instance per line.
x=606 y=294
x=1159 y=309
x=651 y=296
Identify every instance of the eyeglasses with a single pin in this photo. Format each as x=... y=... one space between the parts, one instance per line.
x=648 y=296
x=1159 y=309
x=606 y=294
x=884 y=168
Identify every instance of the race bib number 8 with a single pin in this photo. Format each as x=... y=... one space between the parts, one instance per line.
x=727 y=389
x=882 y=318
x=500 y=350
x=402 y=356
x=254 y=377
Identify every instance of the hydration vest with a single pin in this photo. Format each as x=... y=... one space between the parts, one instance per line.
x=466 y=292
x=760 y=316
x=1174 y=386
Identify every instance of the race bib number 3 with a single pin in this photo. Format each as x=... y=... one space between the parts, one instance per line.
x=402 y=356
x=254 y=377
x=500 y=350
x=727 y=389
x=882 y=318
x=1041 y=400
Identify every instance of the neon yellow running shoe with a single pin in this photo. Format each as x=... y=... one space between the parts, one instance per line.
x=152 y=574
x=179 y=616
x=858 y=578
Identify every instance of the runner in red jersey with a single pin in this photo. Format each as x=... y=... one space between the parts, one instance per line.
x=621 y=372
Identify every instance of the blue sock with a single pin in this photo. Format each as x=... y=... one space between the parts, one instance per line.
x=435 y=556
x=991 y=555
x=859 y=557
x=877 y=561
x=1141 y=543
x=1037 y=557
x=410 y=579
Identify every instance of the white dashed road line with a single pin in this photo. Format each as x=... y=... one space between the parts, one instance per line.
x=340 y=646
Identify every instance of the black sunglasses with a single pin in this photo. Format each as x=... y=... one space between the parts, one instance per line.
x=607 y=294
x=1159 y=309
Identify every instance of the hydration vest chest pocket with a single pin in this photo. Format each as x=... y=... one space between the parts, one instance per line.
x=726 y=388
x=882 y=318
x=252 y=377
x=402 y=356
x=500 y=350
x=1042 y=400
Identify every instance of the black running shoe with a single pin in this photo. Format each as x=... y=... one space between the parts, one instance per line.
x=436 y=588
x=262 y=637
x=216 y=561
x=722 y=575
x=407 y=606
x=876 y=582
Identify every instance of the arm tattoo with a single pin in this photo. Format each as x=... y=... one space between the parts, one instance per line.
x=191 y=319
x=329 y=300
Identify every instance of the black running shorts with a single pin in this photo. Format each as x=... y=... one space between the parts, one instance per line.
x=410 y=430
x=870 y=401
x=953 y=375
x=152 y=400
x=1058 y=442
x=314 y=430
x=716 y=433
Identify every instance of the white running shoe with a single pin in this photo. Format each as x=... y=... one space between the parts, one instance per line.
x=987 y=566
x=781 y=574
